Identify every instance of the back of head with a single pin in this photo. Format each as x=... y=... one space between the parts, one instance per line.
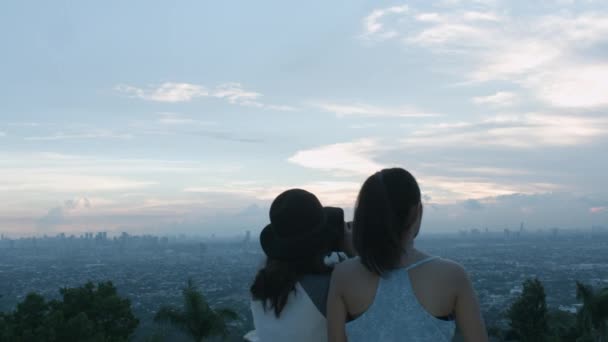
x=300 y=235
x=387 y=207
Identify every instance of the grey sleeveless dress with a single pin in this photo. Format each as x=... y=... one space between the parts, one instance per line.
x=396 y=314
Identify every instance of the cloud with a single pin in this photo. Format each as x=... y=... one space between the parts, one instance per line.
x=547 y=55
x=46 y=174
x=530 y=130
x=444 y=182
x=178 y=119
x=41 y=181
x=174 y=124
x=73 y=204
x=472 y=204
x=24 y=124
x=499 y=99
x=59 y=215
x=166 y=92
x=353 y=158
x=79 y=136
x=235 y=94
x=582 y=86
x=597 y=210
x=537 y=211
x=335 y=193
x=445 y=189
x=173 y=92
x=374 y=27
x=58 y=163
x=361 y=109
x=2 y=134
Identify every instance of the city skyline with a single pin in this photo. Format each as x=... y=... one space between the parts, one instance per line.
x=193 y=117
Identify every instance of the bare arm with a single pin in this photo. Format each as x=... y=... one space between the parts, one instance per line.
x=336 y=310
x=468 y=314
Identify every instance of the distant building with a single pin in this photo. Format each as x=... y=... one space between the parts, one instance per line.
x=247 y=238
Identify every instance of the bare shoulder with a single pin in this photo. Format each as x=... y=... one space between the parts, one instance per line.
x=348 y=270
x=453 y=271
x=348 y=267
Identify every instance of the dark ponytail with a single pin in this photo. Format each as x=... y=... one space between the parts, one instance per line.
x=386 y=208
x=278 y=278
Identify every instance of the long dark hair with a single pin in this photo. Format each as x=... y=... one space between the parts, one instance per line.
x=387 y=206
x=278 y=278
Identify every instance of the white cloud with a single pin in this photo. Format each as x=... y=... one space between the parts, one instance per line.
x=235 y=94
x=452 y=168
x=444 y=189
x=573 y=86
x=431 y=17
x=444 y=184
x=48 y=173
x=499 y=99
x=232 y=92
x=515 y=59
x=373 y=24
x=331 y=193
x=78 y=136
x=353 y=158
x=82 y=164
x=464 y=2
x=178 y=119
x=531 y=130
x=481 y=16
x=43 y=181
x=597 y=210
x=2 y=134
x=466 y=35
x=166 y=92
x=361 y=109
x=24 y=124
x=546 y=55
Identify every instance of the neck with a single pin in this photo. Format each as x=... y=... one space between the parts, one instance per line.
x=410 y=254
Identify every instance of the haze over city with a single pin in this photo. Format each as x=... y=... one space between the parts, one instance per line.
x=190 y=117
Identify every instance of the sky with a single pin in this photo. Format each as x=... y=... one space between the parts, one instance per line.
x=191 y=116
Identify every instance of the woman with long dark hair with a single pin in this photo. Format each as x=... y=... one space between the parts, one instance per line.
x=289 y=294
x=394 y=291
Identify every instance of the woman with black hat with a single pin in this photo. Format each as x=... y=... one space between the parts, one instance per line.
x=289 y=293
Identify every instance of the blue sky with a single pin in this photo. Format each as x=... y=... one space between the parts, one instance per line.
x=151 y=116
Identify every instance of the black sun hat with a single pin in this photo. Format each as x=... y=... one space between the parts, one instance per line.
x=301 y=227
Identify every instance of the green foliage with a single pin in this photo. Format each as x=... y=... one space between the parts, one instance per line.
x=87 y=313
x=528 y=314
x=593 y=315
x=530 y=321
x=563 y=326
x=196 y=318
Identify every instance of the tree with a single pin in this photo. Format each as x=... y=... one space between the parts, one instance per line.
x=86 y=313
x=197 y=318
x=528 y=314
x=593 y=315
x=563 y=326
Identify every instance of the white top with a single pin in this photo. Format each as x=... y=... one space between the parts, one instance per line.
x=300 y=320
